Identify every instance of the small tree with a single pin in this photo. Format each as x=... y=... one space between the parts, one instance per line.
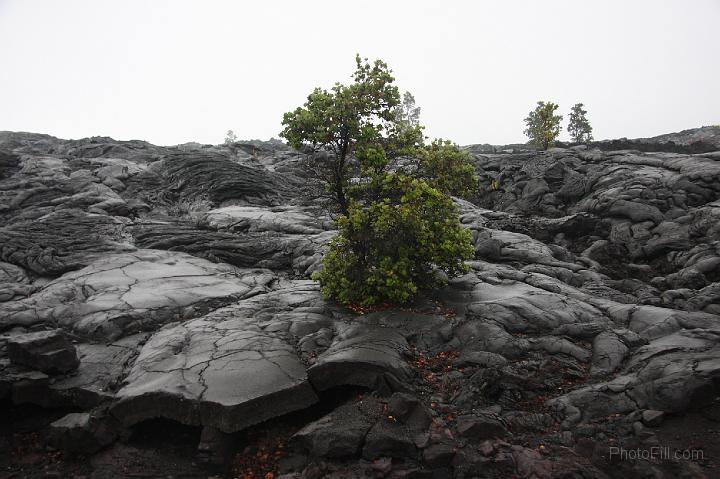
x=543 y=126
x=405 y=139
x=230 y=137
x=579 y=126
x=407 y=113
x=338 y=122
x=400 y=238
x=397 y=233
x=448 y=168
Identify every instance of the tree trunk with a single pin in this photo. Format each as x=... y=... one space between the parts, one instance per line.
x=341 y=199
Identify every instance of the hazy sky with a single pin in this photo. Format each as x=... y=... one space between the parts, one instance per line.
x=176 y=71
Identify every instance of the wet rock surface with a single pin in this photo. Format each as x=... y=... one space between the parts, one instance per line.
x=156 y=315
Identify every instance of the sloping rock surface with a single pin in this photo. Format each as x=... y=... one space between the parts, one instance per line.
x=179 y=277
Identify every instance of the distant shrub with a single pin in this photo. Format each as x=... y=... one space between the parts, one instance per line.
x=401 y=237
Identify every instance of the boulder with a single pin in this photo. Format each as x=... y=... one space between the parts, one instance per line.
x=215 y=446
x=340 y=434
x=47 y=351
x=389 y=438
x=364 y=356
x=652 y=418
x=438 y=455
x=410 y=411
x=478 y=428
x=83 y=433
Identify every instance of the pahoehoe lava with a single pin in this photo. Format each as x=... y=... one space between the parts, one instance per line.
x=141 y=283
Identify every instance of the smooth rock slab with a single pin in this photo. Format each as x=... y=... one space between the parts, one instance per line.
x=122 y=294
x=227 y=374
x=361 y=355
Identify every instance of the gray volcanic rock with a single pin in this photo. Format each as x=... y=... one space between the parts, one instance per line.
x=47 y=351
x=68 y=202
x=82 y=433
x=125 y=293
x=695 y=140
x=257 y=219
x=103 y=366
x=206 y=176
x=8 y=164
x=669 y=374
x=340 y=434
x=480 y=427
x=636 y=216
x=705 y=134
x=390 y=439
x=361 y=356
x=62 y=241
x=228 y=369
x=226 y=374
x=14 y=282
x=274 y=250
x=608 y=353
x=181 y=274
x=238 y=366
x=9 y=273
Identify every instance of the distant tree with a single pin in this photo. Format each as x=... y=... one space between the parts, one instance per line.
x=230 y=137
x=448 y=168
x=543 y=126
x=344 y=120
x=407 y=112
x=579 y=126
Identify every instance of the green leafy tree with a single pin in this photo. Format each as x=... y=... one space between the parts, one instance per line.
x=543 y=126
x=579 y=126
x=397 y=233
x=448 y=168
x=347 y=118
x=400 y=235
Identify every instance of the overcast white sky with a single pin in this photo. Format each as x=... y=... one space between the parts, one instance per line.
x=175 y=71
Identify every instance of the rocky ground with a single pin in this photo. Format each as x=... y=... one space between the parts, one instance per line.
x=157 y=320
